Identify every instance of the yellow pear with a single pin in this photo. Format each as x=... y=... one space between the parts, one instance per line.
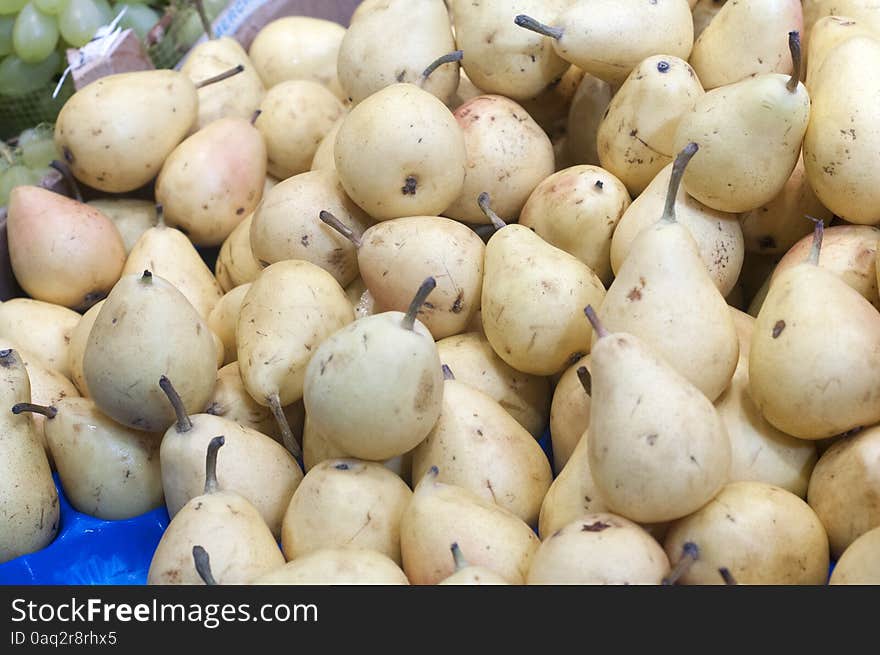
x=167 y=252
x=525 y=397
x=826 y=34
x=635 y=139
x=349 y=398
x=759 y=451
x=608 y=38
x=468 y=574
x=420 y=32
x=79 y=338
x=501 y=58
x=212 y=180
x=29 y=508
x=236 y=264
x=324 y=159
x=587 y=109
x=750 y=134
x=598 y=549
x=222 y=523
x=256 y=466
x=239 y=97
x=763 y=535
x=664 y=296
x=746 y=38
x=400 y=153
x=346 y=502
x=577 y=209
x=107 y=470
x=286 y=225
x=508 y=155
x=223 y=320
x=527 y=281
x=289 y=310
x=480 y=447
x=41 y=329
x=703 y=12
x=298 y=48
x=132 y=216
x=147 y=329
x=805 y=385
x=441 y=514
x=777 y=226
x=337 y=566
x=841 y=139
x=860 y=563
x=62 y=251
x=570 y=411
x=844 y=487
x=658 y=450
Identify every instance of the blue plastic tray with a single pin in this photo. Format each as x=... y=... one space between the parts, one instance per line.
x=90 y=551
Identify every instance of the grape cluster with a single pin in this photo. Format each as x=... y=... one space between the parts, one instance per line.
x=34 y=35
x=28 y=161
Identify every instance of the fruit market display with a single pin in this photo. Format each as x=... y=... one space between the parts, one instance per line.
x=505 y=292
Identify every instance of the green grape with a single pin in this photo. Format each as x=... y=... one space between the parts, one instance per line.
x=53 y=7
x=16 y=176
x=190 y=30
x=35 y=34
x=80 y=20
x=18 y=77
x=106 y=11
x=8 y=7
x=7 y=23
x=37 y=146
x=7 y=156
x=140 y=18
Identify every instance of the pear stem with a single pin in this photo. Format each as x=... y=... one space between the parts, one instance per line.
x=69 y=179
x=586 y=379
x=447 y=373
x=287 y=437
x=816 y=248
x=160 y=215
x=184 y=424
x=458 y=556
x=255 y=116
x=727 y=576
x=794 y=45
x=211 y=464
x=49 y=411
x=203 y=16
x=601 y=332
x=690 y=554
x=222 y=76
x=421 y=295
x=681 y=161
x=340 y=227
x=146 y=277
x=530 y=23
x=203 y=562
x=448 y=58
x=484 y=202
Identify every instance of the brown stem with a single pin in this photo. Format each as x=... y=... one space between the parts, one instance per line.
x=203 y=562
x=727 y=576
x=340 y=227
x=458 y=557
x=287 y=437
x=222 y=76
x=530 y=23
x=447 y=373
x=211 y=464
x=69 y=179
x=794 y=45
x=484 y=202
x=689 y=554
x=184 y=424
x=816 y=248
x=593 y=318
x=160 y=215
x=421 y=295
x=681 y=161
x=48 y=411
x=255 y=116
x=586 y=379
x=448 y=58
x=203 y=16
x=146 y=277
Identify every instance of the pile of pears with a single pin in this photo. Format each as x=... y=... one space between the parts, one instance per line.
x=650 y=227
